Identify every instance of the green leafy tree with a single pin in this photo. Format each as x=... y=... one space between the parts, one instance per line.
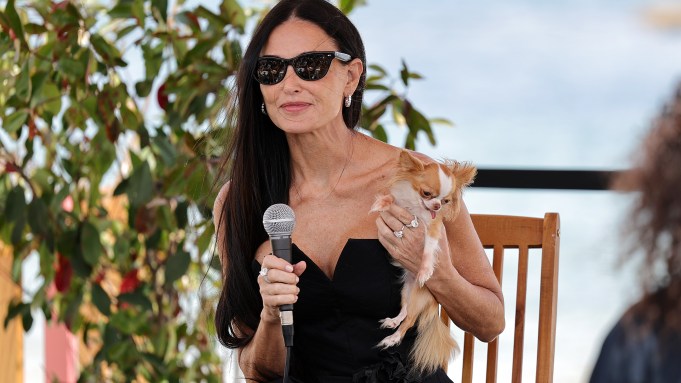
x=113 y=123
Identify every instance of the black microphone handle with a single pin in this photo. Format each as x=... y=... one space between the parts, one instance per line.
x=281 y=247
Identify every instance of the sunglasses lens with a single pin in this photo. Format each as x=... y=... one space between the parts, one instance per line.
x=312 y=66
x=270 y=71
x=308 y=66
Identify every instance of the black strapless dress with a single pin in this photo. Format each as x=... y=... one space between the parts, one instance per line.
x=336 y=321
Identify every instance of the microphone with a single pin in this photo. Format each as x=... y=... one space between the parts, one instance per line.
x=279 y=221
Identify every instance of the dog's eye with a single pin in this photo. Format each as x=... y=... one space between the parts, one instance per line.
x=427 y=193
x=446 y=201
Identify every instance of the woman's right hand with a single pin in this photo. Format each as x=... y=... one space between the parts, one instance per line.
x=279 y=286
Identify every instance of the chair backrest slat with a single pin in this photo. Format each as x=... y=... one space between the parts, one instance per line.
x=468 y=352
x=500 y=232
x=548 y=297
x=520 y=309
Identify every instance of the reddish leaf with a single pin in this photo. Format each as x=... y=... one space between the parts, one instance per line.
x=32 y=129
x=11 y=168
x=99 y=277
x=130 y=282
x=64 y=272
x=162 y=97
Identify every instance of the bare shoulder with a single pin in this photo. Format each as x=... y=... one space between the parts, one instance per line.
x=220 y=202
x=219 y=223
x=422 y=157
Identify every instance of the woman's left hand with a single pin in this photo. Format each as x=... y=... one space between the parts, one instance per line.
x=404 y=243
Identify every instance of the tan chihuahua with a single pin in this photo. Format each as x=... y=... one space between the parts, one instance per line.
x=432 y=193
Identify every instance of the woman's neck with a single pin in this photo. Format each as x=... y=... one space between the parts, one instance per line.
x=319 y=162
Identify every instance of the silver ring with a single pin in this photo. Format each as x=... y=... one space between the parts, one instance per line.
x=263 y=274
x=399 y=233
x=414 y=223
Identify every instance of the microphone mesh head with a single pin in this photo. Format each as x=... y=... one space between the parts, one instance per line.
x=279 y=219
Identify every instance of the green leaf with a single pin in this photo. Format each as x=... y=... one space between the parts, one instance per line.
x=181 y=213
x=200 y=50
x=165 y=149
x=23 y=83
x=121 y=250
x=131 y=120
x=38 y=216
x=35 y=29
x=122 y=187
x=122 y=10
x=142 y=88
x=442 y=121
x=109 y=54
x=205 y=239
x=379 y=133
x=126 y=322
x=404 y=73
x=15 y=206
x=372 y=79
x=101 y=299
x=27 y=320
x=125 y=31
x=137 y=298
x=140 y=185
x=137 y=11
x=346 y=6
x=378 y=69
x=156 y=362
x=162 y=7
x=72 y=310
x=189 y=19
x=215 y=21
x=417 y=122
x=48 y=97
x=14 y=309
x=234 y=13
x=15 y=22
x=176 y=266
x=14 y=121
x=119 y=350
x=90 y=244
x=75 y=70
x=215 y=262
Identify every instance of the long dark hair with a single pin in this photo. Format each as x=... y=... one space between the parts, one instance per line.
x=654 y=227
x=260 y=171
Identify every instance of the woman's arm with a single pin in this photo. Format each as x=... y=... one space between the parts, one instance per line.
x=466 y=287
x=265 y=355
x=463 y=281
x=263 y=358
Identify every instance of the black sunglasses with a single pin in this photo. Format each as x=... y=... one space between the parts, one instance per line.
x=309 y=66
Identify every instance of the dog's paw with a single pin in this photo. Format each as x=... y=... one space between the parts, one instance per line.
x=382 y=203
x=424 y=275
x=392 y=340
x=390 y=322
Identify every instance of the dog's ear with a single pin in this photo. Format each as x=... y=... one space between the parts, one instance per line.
x=409 y=162
x=464 y=173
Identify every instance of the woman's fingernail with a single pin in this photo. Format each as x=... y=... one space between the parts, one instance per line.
x=297 y=279
x=289 y=268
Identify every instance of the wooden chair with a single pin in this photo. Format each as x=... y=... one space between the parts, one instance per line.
x=500 y=232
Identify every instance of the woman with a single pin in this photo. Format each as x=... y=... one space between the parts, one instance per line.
x=645 y=344
x=295 y=143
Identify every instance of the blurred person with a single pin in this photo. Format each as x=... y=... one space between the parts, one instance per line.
x=645 y=344
x=300 y=87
